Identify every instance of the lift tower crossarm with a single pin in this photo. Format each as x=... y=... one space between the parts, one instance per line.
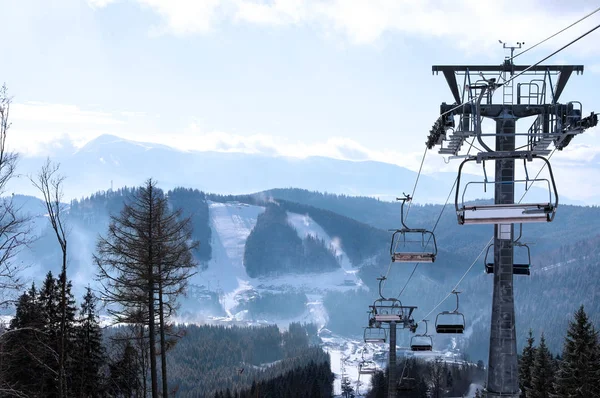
x=506 y=67
x=450 y=72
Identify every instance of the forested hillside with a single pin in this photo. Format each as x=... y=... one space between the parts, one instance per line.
x=570 y=240
x=312 y=380
x=571 y=224
x=358 y=240
x=277 y=305
x=113 y=362
x=561 y=281
x=193 y=204
x=274 y=248
x=212 y=358
x=94 y=210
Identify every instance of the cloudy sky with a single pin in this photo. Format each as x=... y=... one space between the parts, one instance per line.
x=343 y=78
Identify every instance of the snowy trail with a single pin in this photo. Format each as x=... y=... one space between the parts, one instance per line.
x=231 y=224
x=305 y=226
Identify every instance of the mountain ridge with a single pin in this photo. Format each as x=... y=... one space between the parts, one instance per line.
x=562 y=255
x=110 y=161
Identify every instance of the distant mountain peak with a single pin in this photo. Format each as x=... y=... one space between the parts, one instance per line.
x=110 y=140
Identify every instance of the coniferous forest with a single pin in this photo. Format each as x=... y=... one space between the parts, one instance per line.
x=244 y=361
x=274 y=247
x=114 y=362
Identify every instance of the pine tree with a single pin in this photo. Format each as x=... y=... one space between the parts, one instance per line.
x=144 y=263
x=526 y=364
x=50 y=301
x=65 y=324
x=347 y=389
x=124 y=373
x=175 y=266
x=542 y=372
x=49 y=298
x=28 y=312
x=89 y=352
x=24 y=347
x=579 y=370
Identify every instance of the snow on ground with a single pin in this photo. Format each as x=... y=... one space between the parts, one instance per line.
x=307 y=226
x=473 y=389
x=231 y=223
x=351 y=351
x=557 y=265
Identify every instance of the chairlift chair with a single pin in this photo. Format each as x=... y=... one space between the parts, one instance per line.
x=506 y=213
x=451 y=321
x=406 y=242
x=375 y=335
x=421 y=342
x=388 y=310
x=391 y=310
x=366 y=366
x=519 y=268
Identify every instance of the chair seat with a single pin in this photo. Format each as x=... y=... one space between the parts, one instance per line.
x=458 y=329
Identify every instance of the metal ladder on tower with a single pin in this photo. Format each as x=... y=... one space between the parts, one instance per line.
x=507 y=92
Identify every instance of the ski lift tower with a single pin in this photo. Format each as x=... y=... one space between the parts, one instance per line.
x=538 y=90
x=391 y=312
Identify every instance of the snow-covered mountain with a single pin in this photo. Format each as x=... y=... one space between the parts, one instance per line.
x=112 y=161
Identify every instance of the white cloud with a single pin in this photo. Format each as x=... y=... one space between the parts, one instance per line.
x=99 y=3
x=472 y=25
x=278 y=12
x=193 y=138
x=42 y=128
x=59 y=113
x=577 y=154
x=594 y=68
x=39 y=128
x=184 y=17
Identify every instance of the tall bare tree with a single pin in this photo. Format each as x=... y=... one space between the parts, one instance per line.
x=144 y=262
x=176 y=265
x=49 y=182
x=15 y=230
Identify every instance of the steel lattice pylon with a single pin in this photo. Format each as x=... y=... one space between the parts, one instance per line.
x=555 y=124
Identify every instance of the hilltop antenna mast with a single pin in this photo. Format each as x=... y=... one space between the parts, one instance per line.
x=555 y=123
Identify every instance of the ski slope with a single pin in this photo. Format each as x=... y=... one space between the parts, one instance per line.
x=231 y=223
